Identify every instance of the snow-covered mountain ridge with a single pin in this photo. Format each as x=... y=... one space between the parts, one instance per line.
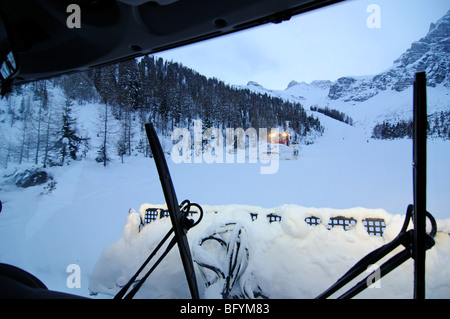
x=357 y=94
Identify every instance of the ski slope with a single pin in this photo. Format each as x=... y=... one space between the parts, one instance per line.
x=85 y=220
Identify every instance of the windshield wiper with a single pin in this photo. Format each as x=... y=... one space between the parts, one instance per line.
x=180 y=225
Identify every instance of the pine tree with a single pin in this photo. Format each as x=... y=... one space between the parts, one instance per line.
x=122 y=146
x=42 y=94
x=102 y=153
x=105 y=83
x=48 y=135
x=25 y=110
x=69 y=141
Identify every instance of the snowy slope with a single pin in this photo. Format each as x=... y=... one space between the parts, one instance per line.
x=45 y=232
x=87 y=211
x=386 y=105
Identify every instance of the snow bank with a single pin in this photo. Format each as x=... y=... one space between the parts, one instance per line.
x=281 y=259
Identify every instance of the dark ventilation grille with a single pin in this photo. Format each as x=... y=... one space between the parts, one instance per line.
x=151 y=214
x=313 y=221
x=164 y=213
x=273 y=218
x=374 y=226
x=342 y=221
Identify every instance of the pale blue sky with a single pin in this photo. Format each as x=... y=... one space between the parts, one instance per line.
x=324 y=44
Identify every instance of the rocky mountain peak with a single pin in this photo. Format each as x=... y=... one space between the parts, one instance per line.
x=429 y=54
x=254 y=83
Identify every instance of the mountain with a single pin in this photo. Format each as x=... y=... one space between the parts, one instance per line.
x=38 y=122
x=44 y=122
x=386 y=97
x=429 y=54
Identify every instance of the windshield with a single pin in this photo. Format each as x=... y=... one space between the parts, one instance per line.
x=295 y=138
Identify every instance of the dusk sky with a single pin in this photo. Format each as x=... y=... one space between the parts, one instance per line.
x=324 y=44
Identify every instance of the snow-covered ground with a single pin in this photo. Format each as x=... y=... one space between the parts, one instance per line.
x=85 y=220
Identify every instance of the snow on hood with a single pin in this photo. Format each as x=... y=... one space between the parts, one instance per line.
x=281 y=259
